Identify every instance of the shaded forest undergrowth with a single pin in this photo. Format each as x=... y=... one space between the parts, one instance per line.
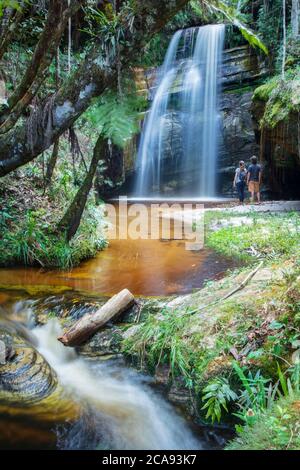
x=30 y=214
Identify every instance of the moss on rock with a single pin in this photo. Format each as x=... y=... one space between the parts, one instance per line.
x=281 y=97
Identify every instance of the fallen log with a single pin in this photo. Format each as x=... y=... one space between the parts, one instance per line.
x=89 y=324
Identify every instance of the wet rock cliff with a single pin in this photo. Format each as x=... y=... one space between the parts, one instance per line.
x=280 y=152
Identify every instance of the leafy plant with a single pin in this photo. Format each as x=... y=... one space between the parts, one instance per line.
x=16 y=5
x=232 y=14
x=159 y=341
x=110 y=27
x=116 y=116
x=290 y=386
x=216 y=395
x=254 y=394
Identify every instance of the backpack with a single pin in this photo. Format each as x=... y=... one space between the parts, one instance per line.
x=241 y=175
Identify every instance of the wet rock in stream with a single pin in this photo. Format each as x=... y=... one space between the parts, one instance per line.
x=68 y=307
x=29 y=391
x=105 y=342
x=71 y=307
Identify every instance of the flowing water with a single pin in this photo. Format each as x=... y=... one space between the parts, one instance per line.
x=187 y=84
x=126 y=414
x=118 y=407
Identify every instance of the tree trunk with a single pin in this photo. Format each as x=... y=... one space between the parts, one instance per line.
x=284 y=38
x=8 y=31
x=295 y=19
x=44 y=52
x=90 y=80
x=107 y=178
x=91 y=323
x=52 y=162
x=71 y=220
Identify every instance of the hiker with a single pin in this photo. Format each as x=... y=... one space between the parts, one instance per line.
x=239 y=181
x=254 y=179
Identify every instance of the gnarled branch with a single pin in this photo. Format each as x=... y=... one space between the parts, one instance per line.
x=7 y=33
x=45 y=50
x=90 y=80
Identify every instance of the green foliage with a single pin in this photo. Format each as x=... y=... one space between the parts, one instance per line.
x=264 y=91
x=270 y=237
x=290 y=386
x=293 y=53
x=282 y=97
x=250 y=395
x=269 y=25
x=16 y=5
x=154 y=52
x=33 y=242
x=159 y=341
x=116 y=116
x=216 y=395
x=277 y=428
x=30 y=214
x=254 y=392
x=110 y=27
x=234 y=17
x=104 y=23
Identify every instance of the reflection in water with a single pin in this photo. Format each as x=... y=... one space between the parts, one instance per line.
x=146 y=267
x=120 y=412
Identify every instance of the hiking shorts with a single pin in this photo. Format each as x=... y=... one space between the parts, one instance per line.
x=253 y=186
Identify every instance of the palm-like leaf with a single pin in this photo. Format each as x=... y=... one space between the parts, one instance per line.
x=115 y=117
x=234 y=17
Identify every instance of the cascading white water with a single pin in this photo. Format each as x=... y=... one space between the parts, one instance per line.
x=188 y=84
x=123 y=412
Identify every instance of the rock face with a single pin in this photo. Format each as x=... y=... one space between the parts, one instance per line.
x=242 y=70
x=280 y=152
x=242 y=66
x=238 y=136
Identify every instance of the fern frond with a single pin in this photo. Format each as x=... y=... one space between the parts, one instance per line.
x=116 y=117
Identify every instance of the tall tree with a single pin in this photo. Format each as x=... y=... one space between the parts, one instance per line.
x=295 y=18
x=58 y=15
x=284 y=38
x=97 y=72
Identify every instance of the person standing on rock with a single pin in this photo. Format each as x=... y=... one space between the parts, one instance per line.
x=239 y=181
x=254 y=179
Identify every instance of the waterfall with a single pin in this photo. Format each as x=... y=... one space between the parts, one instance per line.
x=186 y=99
x=119 y=411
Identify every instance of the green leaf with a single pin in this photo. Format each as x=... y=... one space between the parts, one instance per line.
x=116 y=117
x=275 y=325
x=283 y=381
x=232 y=15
